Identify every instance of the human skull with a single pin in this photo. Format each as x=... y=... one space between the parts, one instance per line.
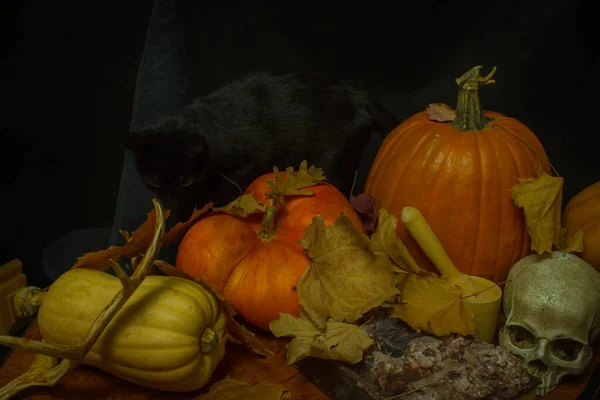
x=552 y=303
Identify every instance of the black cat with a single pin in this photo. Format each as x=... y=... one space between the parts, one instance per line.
x=250 y=125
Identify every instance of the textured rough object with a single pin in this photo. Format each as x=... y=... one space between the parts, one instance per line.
x=392 y=336
x=422 y=367
x=552 y=303
x=453 y=367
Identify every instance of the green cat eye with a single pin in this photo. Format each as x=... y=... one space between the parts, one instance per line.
x=153 y=181
x=186 y=180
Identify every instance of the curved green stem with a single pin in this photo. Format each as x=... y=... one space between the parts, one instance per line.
x=469 y=116
x=267 y=226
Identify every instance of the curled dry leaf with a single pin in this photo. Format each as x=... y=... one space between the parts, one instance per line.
x=432 y=304
x=440 y=112
x=541 y=200
x=346 y=342
x=336 y=341
x=294 y=181
x=243 y=206
x=177 y=232
x=344 y=279
x=237 y=331
x=138 y=241
x=571 y=243
x=233 y=389
x=365 y=206
x=385 y=240
x=429 y=302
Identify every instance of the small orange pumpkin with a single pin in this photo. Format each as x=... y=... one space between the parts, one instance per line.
x=256 y=263
x=583 y=212
x=459 y=174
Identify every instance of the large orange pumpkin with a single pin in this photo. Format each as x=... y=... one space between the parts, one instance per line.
x=459 y=174
x=257 y=261
x=583 y=212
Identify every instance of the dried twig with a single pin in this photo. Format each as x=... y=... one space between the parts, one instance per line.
x=45 y=371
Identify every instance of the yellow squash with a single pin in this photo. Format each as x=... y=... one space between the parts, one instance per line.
x=170 y=335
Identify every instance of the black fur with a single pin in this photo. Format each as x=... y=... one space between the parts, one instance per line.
x=248 y=126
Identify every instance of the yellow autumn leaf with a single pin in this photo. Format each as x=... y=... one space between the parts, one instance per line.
x=344 y=279
x=571 y=243
x=385 y=240
x=294 y=181
x=432 y=304
x=345 y=342
x=541 y=200
x=243 y=206
x=302 y=330
x=233 y=389
x=336 y=341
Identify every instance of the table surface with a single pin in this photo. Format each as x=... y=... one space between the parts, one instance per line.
x=91 y=383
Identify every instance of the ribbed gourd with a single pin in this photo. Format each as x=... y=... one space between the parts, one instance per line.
x=170 y=335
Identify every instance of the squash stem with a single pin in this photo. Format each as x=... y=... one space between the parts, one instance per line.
x=469 y=116
x=267 y=226
x=27 y=301
x=209 y=340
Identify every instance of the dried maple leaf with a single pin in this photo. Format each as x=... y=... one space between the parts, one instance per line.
x=440 y=112
x=386 y=240
x=344 y=279
x=233 y=389
x=541 y=200
x=336 y=341
x=294 y=181
x=432 y=304
x=243 y=206
x=302 y=330
x=238 y=332
x=429 y=302
x=365 y=206
x=571 y=243
x=345 y=342
x=177 y=232
x=138 y=241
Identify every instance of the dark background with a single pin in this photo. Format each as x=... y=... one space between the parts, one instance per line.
x=69 y=70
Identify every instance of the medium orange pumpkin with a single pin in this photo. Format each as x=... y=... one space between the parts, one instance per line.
x=459 y=174
x=583 y=212
x=256 y=263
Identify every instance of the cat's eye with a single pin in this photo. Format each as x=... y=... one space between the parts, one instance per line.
x=153 y=181
x=186 y=180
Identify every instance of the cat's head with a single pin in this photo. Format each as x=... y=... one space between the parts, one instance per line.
x=173 y=160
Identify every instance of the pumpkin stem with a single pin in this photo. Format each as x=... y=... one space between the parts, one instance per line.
x=267 y=226
x=469 y=116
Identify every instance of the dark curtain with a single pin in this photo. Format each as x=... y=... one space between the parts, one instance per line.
x=69 y=72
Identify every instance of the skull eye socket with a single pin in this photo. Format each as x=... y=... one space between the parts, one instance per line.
x=521 y=337
x=566 y=349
